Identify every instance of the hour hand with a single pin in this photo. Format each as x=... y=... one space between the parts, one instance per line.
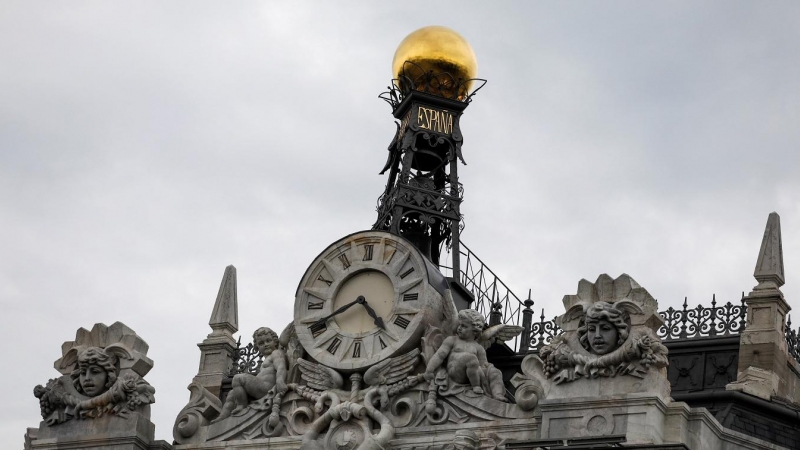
x=378 y=320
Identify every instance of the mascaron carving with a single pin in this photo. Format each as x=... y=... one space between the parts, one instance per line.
x=102 y=374
x=609 y=331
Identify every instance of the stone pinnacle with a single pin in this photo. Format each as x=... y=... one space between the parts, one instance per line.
x=769 y=268
x=225 y=316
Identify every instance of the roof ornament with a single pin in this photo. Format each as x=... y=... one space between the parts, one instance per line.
x=769 y=267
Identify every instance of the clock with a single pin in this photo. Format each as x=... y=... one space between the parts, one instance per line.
x=367 y=297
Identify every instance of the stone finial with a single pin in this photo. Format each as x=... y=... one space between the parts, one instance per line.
x=769 y=268
x=225 y=316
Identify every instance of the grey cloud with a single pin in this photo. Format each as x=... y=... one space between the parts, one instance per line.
x=145 y=146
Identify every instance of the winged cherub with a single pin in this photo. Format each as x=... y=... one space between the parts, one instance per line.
x=270 y=380
x=465 y=354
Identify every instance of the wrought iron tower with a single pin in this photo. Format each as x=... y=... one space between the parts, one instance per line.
x=422 y=198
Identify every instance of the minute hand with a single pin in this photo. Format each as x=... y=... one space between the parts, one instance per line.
x=344 y=308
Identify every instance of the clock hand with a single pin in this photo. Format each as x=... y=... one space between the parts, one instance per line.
x=371 y=312
x=344 y=308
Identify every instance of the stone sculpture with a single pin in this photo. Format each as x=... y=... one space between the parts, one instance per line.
x=609 y=332
x=348 y=418
x=102 y=390
x=253 y=398
x=332 y=410
x=270 y=381
x=465 y=356
x=604 y=334
x=604 y=328
x=102 y=372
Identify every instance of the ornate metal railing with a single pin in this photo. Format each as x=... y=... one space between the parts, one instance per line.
x=792 y=340
x=441 y=84
x=699 y=322
x=492 y=297
x=245 y=359
x=541 y=332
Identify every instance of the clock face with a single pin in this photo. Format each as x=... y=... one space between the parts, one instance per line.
x=362 y=300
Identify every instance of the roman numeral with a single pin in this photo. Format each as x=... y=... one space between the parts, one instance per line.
x=345 y=262
x=317 y=328
x=315 y=305
x=382 y=344
x=367 y=252
x=357 y=349
x=334 y=345
x=321 y=278
x=406 y=273
x=408 y=297
x=391 y=255
x=402 y=322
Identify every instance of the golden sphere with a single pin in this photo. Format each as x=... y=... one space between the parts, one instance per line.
x=439 y=49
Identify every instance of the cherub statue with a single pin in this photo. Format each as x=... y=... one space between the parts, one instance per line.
x=465 y=354
x=269 y=381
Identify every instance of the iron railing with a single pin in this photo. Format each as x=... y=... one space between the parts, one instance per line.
x=792 y=340
x=499 y=304
x=491 y=296
x=700 y=322
x=246 y=359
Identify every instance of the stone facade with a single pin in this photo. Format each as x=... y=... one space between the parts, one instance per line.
x=606 y=376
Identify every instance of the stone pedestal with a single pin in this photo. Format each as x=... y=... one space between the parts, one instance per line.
x=654 y=384
x=640 y=417
x=763 y=358
x=216 y=357
x=763 y=367
x=109 y=432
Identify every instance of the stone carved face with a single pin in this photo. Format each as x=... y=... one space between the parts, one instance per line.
x=602 y=336
x=93 y=380
x=265 y=340
x=604 y=328
x=470 y=324
x=96 y=371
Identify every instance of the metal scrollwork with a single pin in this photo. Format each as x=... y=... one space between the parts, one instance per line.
x=543 y=332
x=793 y=340
x=245 y=360
x=700 y=322
x=441 y=84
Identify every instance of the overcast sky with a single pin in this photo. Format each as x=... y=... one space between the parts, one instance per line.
x=144 y=146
